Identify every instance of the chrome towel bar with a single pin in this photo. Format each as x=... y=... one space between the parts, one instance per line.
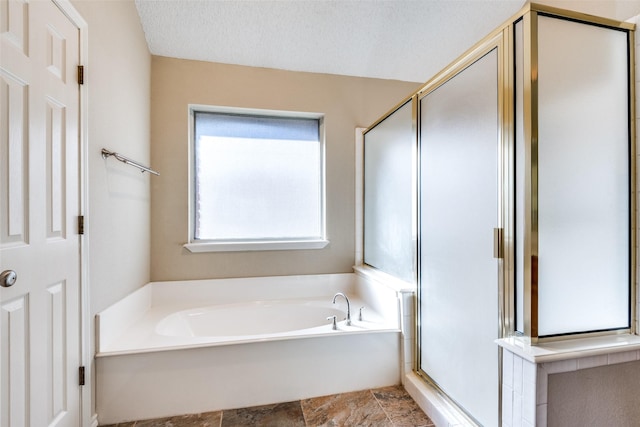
x=106 y=153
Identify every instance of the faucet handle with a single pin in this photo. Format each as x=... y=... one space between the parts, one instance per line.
x=334 y=325
x=360 y=313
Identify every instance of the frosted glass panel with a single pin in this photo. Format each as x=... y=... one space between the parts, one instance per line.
x=458 y=211
x=583 y=178
x=389 y=237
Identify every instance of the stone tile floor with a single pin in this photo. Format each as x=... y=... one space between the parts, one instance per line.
x=382 y=407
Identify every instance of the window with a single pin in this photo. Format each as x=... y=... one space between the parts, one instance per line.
x=258 y=181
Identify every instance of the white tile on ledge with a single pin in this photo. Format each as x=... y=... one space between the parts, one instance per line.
x=627 y=356
x=560 y=366
x=517 y=375
x=592 y=361
x=507 y=405
x=541 y=416
x=529 y=372
x=542 y=384
x=407 y=326
x=407 y=298
x=407 y=349
x=407 y=305
x=529 y=404
x=517 y=410
x=507 y=368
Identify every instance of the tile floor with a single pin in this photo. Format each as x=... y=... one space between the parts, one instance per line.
x=383 y=407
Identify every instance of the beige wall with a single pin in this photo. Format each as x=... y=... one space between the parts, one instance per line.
x=117 y=81
x=117 y=77
x=614 y=9
x=347 y=103
x=627 y=9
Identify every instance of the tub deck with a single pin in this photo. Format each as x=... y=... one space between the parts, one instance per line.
x=142 y=336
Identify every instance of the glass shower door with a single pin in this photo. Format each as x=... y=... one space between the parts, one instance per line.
x=459 y=201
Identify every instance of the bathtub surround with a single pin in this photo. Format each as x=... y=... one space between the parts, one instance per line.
x=147 y=347
x=388 y=406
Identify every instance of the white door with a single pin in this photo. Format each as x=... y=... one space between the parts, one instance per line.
x=39 y=206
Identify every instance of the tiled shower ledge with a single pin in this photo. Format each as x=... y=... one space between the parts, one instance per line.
x=570 y=348
x=526 y=369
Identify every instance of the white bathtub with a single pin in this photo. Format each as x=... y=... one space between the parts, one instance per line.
x=174 y=348
x=255 y=320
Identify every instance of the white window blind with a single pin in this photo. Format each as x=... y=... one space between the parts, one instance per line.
x=257 y=178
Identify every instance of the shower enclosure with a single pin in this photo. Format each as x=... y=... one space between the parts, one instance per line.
x=505 y=189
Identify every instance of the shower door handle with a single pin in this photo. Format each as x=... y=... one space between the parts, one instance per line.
x=498 y=246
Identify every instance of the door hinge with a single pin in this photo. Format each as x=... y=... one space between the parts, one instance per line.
x=498 y=245
x=81 y=375
x=80 y=74
x=81 y=224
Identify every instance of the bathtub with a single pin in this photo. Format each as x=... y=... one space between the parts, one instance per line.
x=174 y=348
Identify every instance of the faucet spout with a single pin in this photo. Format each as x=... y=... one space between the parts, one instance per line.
x=340 y=294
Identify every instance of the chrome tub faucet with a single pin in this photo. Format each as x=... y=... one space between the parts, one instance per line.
x=348 y=306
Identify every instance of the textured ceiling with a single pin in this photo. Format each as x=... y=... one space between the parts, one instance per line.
x=407 y=40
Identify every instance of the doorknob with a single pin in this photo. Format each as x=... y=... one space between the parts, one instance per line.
x=8 y=278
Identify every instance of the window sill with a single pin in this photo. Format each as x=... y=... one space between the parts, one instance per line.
x=255 y=246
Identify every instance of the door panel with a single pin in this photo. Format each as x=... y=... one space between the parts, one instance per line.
x=39 y=198
x=14 y=320
x=458 y=301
